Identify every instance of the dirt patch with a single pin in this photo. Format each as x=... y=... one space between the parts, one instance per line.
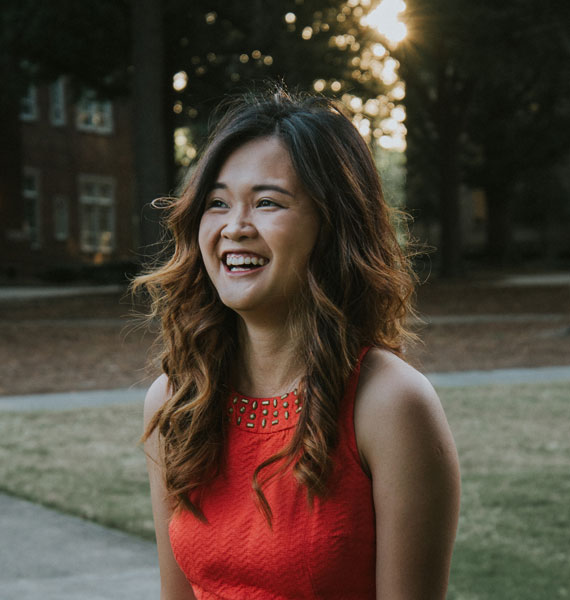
x=461 y=347
x=476 y=299
x=541 y=336
x=69 y=344
x=91 y=342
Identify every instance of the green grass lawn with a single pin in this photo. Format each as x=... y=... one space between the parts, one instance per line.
x=513 y=538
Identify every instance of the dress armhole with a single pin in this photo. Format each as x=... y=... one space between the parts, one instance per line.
x=348 y=432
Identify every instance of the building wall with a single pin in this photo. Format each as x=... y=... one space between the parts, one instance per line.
x=62 y=157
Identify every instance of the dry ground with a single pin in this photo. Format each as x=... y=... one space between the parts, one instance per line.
x=520 y=327
x=92 y=342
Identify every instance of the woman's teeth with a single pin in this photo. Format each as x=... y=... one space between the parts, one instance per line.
x=234 y=260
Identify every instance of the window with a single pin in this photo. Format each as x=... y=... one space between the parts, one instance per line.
x=94 y=115
x=31 y=194
x=29 y=104
x=97 y=220
x=57 y=102
x=60 y=218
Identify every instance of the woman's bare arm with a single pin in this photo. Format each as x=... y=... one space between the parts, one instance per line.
x=405 y=441
x=173 y=583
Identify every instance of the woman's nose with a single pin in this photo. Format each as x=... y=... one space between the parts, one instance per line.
x=238 y=226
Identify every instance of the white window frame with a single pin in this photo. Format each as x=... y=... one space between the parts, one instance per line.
x=57 y=105
x=60 y=217
x=94 y=115
x=33 y=234
x=29 y=110
x=96 y=200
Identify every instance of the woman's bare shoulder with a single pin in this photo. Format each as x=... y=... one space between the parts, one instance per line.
x=395 y=403
x=158 y=393
x=387 y=379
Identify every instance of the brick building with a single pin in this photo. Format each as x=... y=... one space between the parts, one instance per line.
x=77 y=185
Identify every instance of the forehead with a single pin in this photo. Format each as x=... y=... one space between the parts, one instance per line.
x=265 y=158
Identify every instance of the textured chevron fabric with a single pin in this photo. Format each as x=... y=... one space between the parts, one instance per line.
x=325 y=551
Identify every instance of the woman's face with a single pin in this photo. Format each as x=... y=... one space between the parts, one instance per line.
x=258 y=229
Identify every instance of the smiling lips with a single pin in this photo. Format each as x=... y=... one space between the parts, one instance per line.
x=240 y=262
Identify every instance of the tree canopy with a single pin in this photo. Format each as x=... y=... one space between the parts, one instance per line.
x=487 y=88
x=487 y=83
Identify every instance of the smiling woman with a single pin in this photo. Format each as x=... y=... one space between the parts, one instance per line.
x=292 y=452
x=258 y=229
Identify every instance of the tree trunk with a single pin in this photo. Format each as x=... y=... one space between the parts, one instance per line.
x=152 y=152
x=450 y=217
x=449 y=205
x=499 y=225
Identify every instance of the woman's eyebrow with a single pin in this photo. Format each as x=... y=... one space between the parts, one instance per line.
x=274 y=188
x=256 y=188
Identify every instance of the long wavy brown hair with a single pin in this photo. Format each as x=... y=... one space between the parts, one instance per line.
x=357 y=293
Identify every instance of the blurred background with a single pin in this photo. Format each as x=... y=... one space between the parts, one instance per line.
x=105 y=105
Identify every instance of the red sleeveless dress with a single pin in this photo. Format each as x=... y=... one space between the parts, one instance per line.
x=327 y=551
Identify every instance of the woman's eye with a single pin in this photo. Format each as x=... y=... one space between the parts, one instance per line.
x=265 y=202
x=215 y=203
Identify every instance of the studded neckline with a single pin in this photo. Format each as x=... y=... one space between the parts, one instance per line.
x=264 y=415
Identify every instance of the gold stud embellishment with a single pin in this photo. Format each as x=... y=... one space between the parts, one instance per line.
x=248 y=410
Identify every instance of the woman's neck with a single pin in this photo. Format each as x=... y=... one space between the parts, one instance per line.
x=268 y=361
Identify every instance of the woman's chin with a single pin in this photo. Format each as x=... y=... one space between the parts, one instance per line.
x=256 y=308
x=241 y=304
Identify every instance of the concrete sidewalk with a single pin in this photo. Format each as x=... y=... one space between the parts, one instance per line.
x=500 y=376
x=29 y=292
x=49 y=556
x=19 y=293
x=135 y=395
x=70 y=400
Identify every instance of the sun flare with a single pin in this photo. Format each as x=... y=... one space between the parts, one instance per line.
x=384 y=18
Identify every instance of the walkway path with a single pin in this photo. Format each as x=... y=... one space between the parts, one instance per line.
x=49 y=556
x=22 y=292
x=71 y=400
x=460 y=319
x=10 y=293
x=500 y=376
